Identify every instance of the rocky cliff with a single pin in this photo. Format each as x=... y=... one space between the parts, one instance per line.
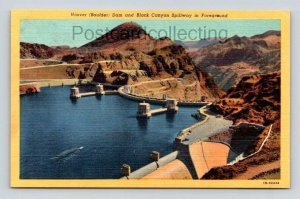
x=159 y=58
x=29 y=88
x=229 y=60
x=125 y=55
x=127 y=36
x=255 y=99
x=36 y=51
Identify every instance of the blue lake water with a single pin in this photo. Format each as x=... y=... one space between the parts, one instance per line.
x=105 y=127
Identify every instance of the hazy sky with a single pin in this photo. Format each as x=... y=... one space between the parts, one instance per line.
x=78 y=32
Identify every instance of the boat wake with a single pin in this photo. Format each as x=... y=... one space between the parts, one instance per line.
x=67 y=154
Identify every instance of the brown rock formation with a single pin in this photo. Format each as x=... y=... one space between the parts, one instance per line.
x=228 y=61
x=126 y=47
x=255 y=99
x=127 y=36
x=29 y=89
x=37 y=51
x=157 y=57
x=270 y=153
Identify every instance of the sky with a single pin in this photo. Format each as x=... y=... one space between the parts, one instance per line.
x=75 y=33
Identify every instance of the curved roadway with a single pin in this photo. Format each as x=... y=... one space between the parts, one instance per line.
x=214 y=124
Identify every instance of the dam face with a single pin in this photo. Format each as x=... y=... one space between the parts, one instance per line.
x=106 y=127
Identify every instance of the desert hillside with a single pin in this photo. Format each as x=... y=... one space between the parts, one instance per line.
x=125 y=55
x=255 y=99
x=36 y=51
x=228 y=61
x=127 y=36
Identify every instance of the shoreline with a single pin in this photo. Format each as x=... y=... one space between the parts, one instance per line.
x=43 y=83
x=183 y=133
x=156 y=100
x=53 y=82
x=178 y=140
x=179 y=143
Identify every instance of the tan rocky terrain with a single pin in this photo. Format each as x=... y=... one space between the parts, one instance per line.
x=255 y=99
x=126 y=48
x=268 y=159
x=29 y=88
x=127 y=36
x=228 y=61
x=38 y=51
x=127 y=55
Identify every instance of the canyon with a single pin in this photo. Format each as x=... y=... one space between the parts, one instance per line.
x=240 y=76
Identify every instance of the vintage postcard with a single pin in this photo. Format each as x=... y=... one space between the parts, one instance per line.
x=150 y=99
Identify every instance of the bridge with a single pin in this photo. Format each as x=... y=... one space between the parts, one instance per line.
x=75 y=94
x=144 y=110
x=87 y=94
x=158 y=111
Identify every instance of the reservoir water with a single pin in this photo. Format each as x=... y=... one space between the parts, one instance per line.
x=92 y=137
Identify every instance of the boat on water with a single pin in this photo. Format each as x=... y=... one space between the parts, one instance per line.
x=67 y=153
